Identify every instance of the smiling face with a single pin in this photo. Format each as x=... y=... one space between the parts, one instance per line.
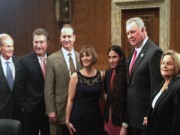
x=86 y=59
x=113 y=59
x=7 y=48
x=167 y=67
x=135 y=34
x=40 y=45
x=67 y=38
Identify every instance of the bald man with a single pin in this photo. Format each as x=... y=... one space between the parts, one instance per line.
x=11 y=81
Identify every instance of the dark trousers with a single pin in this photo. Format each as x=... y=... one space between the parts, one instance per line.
x=58 y=129
x=136 y=131
x=33 y=124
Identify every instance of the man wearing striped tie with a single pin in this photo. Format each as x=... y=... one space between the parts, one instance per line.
x=60 y=66
x=35 y=119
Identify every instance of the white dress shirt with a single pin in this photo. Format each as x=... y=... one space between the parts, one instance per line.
x=11 y=64
x=39 y=58
x=66 y=56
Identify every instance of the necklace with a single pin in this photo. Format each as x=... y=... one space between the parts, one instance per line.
x=89 y=73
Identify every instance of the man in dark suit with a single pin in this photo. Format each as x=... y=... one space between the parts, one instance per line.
x=57 y=80
x=35 y=119
x=144 y=74
x=11 y=81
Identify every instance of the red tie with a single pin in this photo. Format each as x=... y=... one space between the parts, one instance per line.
x=43 y=66
x=132 y=61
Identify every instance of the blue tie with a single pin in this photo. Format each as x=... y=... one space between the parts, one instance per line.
x=9 y=75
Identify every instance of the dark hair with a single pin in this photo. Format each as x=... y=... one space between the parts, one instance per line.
x=41 y=31
x=89 y=50
x=119 y=91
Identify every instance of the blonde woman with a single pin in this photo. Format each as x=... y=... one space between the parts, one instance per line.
x=164 y=114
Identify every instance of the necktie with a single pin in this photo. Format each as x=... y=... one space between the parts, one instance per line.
x=132 y=61
x=9 y=75
x=71 y=64
x=43 y=66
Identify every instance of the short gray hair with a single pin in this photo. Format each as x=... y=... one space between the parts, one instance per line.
x=3 y=37
x=137 y=20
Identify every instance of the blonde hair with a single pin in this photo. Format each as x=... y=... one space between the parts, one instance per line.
x=176 y=57
x=4 y=37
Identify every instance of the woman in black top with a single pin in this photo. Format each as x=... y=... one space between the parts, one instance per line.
x=116 y=89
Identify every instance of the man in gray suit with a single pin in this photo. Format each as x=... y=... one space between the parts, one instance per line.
x=144 y=74
x=58 y=74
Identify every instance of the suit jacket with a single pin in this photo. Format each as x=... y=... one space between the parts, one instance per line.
x=34 y=85
x=165 y=117
x=11 y=101
x=116 y=120
x=144 y=79
x=56 y=84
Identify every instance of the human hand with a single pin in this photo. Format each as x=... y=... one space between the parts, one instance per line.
x=123 y=131
x=71 y=128
x=52 y=117
x=145 y=121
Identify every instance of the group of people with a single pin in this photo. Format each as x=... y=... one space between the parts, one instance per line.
x=59 y=94
x=22 y=84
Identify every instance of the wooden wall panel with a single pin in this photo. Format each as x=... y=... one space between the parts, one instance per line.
x=83 y=21
x=92 y=23
x=175 y=25
x=20 y=18
x=91 y=20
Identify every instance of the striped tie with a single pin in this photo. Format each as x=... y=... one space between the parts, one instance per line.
x=43 y=66
x=71 y=64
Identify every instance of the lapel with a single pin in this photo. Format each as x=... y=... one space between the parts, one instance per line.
x=62 y=63
x=3 y=78
x=16 y=66
x=36 y=64
x=108 y=79
x=139 y=59
x=164 y=94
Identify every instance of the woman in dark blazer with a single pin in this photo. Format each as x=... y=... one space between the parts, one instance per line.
x=164 y=113
x=116 y=89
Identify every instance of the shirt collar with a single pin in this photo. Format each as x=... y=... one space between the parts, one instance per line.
x=4 y=60
x=142 y=45
x=67 y=52
x=45 y=56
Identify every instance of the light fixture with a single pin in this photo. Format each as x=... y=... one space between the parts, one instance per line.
x=57 y=10
x=63 y=11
